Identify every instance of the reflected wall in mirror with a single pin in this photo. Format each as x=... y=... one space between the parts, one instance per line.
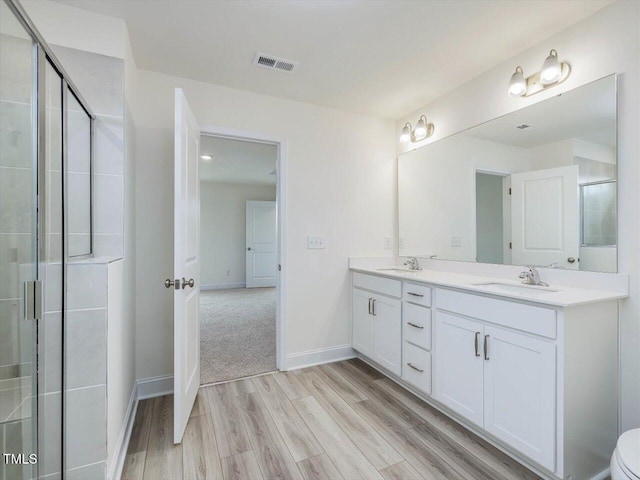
x=534 y=187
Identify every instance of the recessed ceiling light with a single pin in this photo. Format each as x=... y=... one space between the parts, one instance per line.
x=206 y=157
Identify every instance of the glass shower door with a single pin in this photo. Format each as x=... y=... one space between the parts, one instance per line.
x=18 y=249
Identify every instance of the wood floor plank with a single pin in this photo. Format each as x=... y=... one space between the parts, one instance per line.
x=241 y=466
x=347 y=390
x=200 y=459
x=201 y=405
x=365 y=369
x=402 y=414
x=163 y=459
x=402 y=471
x=291 y=386
x=295 y=433
x=133 y=468
x=242 y=386
x=346 y=457
x=504 y=466
x=405 y=440
x=271 y=452
x=319 y=468
x=374 y=447
x=231 y=435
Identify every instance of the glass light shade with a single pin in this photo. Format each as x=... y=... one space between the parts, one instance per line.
x=405 y=136
x=551 y=69
x=206 y=157
x=517 y=84
x=421 y=127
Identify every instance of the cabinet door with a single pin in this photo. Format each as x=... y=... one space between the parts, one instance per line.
x=387 y=333
x=520 y=392
x=362 y=339
x=458 y=365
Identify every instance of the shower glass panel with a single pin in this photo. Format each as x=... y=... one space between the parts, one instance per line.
x=79 y=177
x=18 y=247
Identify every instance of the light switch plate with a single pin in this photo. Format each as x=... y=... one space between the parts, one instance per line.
x=315 y=242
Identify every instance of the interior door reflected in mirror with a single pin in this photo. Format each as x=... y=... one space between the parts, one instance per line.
x=535 y=187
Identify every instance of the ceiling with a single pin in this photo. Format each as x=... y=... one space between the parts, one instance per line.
x=383 y=58
x=237 y=161
x=587 y=113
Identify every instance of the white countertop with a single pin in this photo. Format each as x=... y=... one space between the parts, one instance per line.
x=554 y=295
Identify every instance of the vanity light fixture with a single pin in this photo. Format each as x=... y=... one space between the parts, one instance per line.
x=206 y=157
x=553 y=73
x=423 y=130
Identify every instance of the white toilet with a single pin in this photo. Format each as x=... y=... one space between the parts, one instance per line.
x=625 y=461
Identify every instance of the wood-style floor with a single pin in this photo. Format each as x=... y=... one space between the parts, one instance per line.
x=338 y=421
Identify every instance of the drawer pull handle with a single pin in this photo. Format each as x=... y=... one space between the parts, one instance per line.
x=373 y=307
x=416 y=326
x=415 y=294
x=370 y=305
x=486 y=347
x=415 y=368
x=476 y=343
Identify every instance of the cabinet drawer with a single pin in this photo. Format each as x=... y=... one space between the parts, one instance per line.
x=416 y=325
x=415 y=293
x=386 y=286
x=416 y=367
x=537 y=320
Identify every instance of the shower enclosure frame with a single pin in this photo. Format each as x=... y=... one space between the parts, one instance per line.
x=42 y=56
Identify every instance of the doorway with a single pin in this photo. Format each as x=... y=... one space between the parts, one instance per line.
x=491 y=231
x=239 y=249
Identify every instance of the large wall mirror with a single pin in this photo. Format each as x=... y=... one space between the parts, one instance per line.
x=535 y=187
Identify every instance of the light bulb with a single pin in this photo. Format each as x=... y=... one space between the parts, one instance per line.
x=517 y=84
x=421 y=127
x=206 y=157
x=405 y=136
x=551 y=69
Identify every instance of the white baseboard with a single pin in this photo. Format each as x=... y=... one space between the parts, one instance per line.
x=318 y=357
x=222 y=286
x=155 y=387
x=114 y=470
x=602 y=475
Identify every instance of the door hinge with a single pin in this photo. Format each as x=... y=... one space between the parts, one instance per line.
x=510 y=246
x=33 y=300
x=509 y=190
x=279 y=267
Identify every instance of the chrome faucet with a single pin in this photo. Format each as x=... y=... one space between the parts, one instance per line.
x=532 y=277
x=413 y=264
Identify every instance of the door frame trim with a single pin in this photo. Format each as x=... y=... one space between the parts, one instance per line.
x=281 y=212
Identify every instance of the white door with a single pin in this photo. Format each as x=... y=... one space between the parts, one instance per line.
x=458 y=364
x=261 y=244
x=546 y=217
x=520 y=392
x=186 y=265
x=387 y=332
x=362 y=339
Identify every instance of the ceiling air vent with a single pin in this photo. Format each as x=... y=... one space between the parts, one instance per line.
x=524 y=126
x=274 y=63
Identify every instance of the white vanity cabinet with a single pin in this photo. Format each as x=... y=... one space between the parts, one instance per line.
x=377 y=320
x=537 y=379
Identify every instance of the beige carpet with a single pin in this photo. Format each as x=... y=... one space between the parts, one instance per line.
x=237 y=333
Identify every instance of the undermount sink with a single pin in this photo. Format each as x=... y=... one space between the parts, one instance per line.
x=508 y=287
x=397 y=269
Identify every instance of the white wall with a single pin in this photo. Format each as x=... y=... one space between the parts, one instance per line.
x=223 y=231
x=607 y=42
x=339 y=183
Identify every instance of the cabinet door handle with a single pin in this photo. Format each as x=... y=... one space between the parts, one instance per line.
x=415 y=294
x=414 y=367
x=373 y=307
x=416 y=326
x=486 y=347
x=477 y=336
x=370 y=305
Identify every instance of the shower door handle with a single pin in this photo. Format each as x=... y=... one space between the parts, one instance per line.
x=33 y=300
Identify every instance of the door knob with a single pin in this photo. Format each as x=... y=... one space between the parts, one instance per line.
x=186 y=282
x=571 y=260
x=172 y=283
